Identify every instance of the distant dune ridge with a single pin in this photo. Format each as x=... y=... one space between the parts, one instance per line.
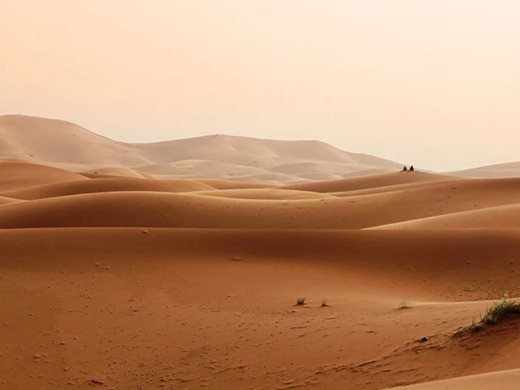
x=67 y=145
x=177 y=264
x=511 y=169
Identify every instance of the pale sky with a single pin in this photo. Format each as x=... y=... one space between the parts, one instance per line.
x=430 y=82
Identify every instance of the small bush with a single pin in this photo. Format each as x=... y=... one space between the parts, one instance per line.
x=404 y=306
x=300 y=301
x=493 y=315
x=324 y=303
x=500 y=310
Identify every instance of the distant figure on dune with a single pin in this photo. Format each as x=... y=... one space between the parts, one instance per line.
x=405 y=168
x=412 y=168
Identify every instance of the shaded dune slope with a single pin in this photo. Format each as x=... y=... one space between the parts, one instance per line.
x=20 y=174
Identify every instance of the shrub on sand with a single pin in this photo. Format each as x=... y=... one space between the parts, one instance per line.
x=493 y=315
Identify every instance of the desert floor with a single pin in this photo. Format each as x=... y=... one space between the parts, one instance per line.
x=117 y=282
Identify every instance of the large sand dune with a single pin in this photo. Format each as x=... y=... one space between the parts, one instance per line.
x=113 y=279
x=64 y=144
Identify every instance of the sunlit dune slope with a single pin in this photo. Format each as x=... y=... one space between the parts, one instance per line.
x=6 y=200
x=372 y=181
x=60 y=142
x=507 y=216
x=265 y=193
x=232 y=185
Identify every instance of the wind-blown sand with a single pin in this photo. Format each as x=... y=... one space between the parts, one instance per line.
x=114 y=280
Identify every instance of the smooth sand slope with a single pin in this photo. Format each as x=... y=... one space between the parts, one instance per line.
x=503 y=380
x=20 y=174
x=191 y=308
x=266 y=194
x=60 y=142
x=142 y=283
x=370 y=182
x=507 y=216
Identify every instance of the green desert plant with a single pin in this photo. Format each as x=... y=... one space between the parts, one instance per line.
x=493 y=315
x=500 y=310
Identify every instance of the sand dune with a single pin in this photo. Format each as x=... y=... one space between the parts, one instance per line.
x=6 y=200
x=504 y=170
x=391 y=188
x=503 y=380
x=265 y=193
x=118 y=306
x=116 y=172
x=55 y=141
x=106 y=185
x=369 y=182
x=179 y=210
x=507 y=216
x=232 y=185
x=19 y=174
x=67 y=145
x=112 y=280
x=149 y=208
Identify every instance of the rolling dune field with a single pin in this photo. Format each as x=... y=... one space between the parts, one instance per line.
x=120 y=282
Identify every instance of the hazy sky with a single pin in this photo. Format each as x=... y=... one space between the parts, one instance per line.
x=433 y=82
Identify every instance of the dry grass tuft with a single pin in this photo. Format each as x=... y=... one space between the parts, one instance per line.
x=493 y=315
